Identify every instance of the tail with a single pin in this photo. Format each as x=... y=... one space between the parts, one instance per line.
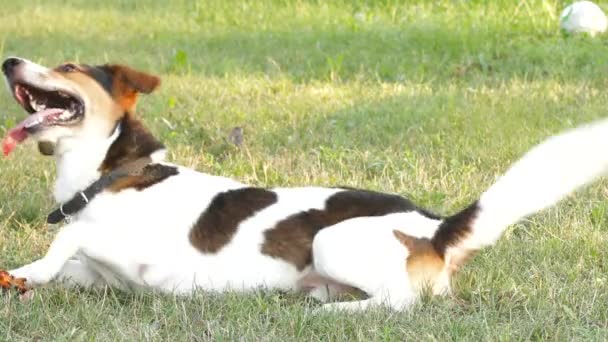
x=540 y=179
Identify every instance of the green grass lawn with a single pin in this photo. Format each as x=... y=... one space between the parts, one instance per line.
x=429 y=99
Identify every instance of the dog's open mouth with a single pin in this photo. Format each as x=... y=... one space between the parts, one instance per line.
x=46 y=108
x=36 y=101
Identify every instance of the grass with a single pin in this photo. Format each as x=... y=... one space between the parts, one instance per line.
x=429 y=99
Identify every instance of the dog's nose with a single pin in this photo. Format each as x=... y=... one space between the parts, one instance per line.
x=10 y=64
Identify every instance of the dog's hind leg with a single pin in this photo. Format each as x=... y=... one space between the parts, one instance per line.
x=363 y=253
x=324 y=289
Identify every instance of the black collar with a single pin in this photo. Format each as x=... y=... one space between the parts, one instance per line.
x=82 y=198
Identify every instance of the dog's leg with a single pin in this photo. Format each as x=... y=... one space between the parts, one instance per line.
x=325 y=289
x=66 y=244
x=364 y=254
x=397 y=302
x=77 y=273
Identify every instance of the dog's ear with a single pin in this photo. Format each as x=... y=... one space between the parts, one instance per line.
x=406 y=240
x=128 y=82
x=132 y=79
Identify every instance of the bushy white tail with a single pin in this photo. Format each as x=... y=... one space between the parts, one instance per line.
x=541 y=178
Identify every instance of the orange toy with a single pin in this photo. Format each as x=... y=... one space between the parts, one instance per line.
x=8 y=282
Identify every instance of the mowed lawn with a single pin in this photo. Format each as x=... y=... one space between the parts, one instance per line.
x=429 y=99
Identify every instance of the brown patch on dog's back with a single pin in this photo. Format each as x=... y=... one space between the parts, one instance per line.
x=423 y=263
x=219 y=222
x=291 y=239
x=150 y=175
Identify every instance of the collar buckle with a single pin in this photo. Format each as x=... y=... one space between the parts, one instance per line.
x=66 y=217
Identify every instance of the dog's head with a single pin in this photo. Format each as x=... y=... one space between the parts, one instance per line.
x=74 y=101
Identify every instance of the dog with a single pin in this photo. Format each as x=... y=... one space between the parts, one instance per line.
x=135 y=221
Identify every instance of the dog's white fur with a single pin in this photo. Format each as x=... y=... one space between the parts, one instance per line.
x=140 y=239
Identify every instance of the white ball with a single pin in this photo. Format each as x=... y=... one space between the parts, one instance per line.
x=583 y=16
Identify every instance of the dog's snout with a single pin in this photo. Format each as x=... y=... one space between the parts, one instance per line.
x=10 y=64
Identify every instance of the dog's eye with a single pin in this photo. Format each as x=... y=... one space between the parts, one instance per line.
x=68 y=68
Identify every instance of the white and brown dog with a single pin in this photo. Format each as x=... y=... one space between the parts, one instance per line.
x=173 y=229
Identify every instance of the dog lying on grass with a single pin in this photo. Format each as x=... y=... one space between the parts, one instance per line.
x=135 y=221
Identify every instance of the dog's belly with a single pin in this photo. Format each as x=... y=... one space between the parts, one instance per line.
x=142 y=239
x=232 y=269
x=162 y=257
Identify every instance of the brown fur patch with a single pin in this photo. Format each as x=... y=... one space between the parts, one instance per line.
x=291 y=239
x=423 y=263
x=134 y=142
x=150 y=175
x=218 y=223
x=451 y=232
x=455 y=228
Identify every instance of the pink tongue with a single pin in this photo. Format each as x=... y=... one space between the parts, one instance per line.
x=19 y=133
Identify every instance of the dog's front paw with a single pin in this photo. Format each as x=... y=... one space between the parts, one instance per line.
x=10 y=283
x=36 y=273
